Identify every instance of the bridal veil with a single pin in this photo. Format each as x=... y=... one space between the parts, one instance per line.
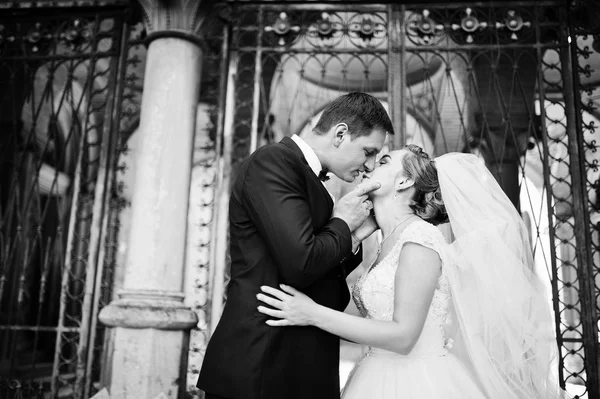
x=502 y=318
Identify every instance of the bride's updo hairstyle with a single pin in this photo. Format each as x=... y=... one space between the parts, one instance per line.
x=427 y=201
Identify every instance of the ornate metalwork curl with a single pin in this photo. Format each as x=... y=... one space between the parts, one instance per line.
x=75 y=35
x=327 y=31
x=367 y=30
x=514 y=23
x=282 y=27
x=469 y=24
x=423 y=29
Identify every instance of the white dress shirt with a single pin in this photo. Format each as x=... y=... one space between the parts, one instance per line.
x=313 y=162
x=311 y=158
x=309 y=154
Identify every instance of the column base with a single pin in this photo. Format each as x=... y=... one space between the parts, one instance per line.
x=148 y=363
x=160 y=310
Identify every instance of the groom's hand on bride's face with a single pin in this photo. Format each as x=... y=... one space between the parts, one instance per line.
x=354 y=207
x=365 y=187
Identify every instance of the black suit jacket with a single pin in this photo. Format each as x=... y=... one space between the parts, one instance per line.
x=281 y=231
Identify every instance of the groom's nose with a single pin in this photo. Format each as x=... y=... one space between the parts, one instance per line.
x=369 y=165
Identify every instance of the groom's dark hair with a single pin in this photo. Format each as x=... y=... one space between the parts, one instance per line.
x=360 y=111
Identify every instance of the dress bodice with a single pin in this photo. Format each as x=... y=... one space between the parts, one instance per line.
x=373 y=293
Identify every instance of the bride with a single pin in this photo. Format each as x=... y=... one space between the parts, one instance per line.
x=461 y=320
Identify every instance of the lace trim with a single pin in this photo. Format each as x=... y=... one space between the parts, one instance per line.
x=357 y=297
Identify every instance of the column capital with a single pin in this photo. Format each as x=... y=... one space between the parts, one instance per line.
x=181 y=19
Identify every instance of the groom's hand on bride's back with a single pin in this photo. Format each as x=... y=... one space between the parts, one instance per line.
x=354 y=207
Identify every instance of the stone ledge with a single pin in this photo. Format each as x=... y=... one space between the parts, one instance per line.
x=148 y=309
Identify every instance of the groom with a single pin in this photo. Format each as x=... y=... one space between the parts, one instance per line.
x=284 y=228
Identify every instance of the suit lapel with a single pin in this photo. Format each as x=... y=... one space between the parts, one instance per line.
x=288 y=142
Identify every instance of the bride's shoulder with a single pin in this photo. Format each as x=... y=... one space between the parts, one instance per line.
x=422 y=227
x=423 y=232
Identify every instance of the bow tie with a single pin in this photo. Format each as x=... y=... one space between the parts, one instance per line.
x=323 y=175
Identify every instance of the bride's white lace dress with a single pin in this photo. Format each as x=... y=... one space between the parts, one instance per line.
x=431 y=370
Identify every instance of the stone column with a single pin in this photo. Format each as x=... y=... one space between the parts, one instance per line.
x=151 y=323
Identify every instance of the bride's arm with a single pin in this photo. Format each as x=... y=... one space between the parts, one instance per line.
x=416 y=278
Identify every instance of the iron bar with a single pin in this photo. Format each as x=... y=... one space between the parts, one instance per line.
x=361 y=5
x=257 y=78
x=304 y=6
x=549 y=200
x=223 y=80
x=53 y=4
x=308 y=50
x=100 y=214
x=43 y=279
x=94 y=241
x=23 y=327
x=60 y=57
x=396 y=85
x=219 y=249
x=64 y=286
x=589 y=320
x=113 y=112
x=223 y=148
x=315 y=50
x=401 y=139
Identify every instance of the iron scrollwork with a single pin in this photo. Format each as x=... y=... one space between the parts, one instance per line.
x=469 y=24
x=514 y=22
x=37 y=38
x=369 y=30
x=329 y=29
x=422 y=29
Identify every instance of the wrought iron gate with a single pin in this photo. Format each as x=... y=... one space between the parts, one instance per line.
x=505 y=80
x=60 y=82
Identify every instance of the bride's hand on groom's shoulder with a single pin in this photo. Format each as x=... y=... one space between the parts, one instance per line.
x=289 y=305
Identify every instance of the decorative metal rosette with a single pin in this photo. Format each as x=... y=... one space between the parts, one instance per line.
x=284 y=31
x=367 y=30
x=423 y=28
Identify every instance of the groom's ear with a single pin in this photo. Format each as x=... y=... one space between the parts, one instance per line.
x=340 y=132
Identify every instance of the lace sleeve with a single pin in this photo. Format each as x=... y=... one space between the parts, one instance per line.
x=424 y=234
